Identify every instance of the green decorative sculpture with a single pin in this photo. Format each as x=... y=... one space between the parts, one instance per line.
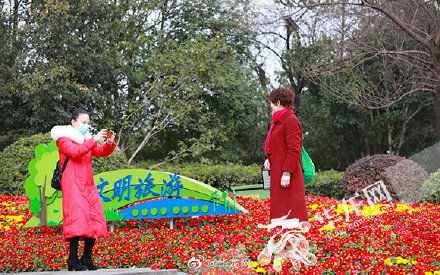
x=126 y=194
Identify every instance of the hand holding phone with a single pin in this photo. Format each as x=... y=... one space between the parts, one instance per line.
x=109 y=134
x=101 y=135
x=110 y=137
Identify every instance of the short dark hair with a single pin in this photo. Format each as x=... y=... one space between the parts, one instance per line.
x=282 y=94
x=76 y=112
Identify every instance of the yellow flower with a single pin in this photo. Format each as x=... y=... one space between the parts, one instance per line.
x=341 y=208
x=405 y=208
x=401 y=260
x=372 y=211
x=314 y=206
x=254 y=264
x=382 y=204
x=344 y=224
x=428 y=273
x=327 y=228
x=260 y=269
x=17 y=218
x=388 y=262
x=257 y=197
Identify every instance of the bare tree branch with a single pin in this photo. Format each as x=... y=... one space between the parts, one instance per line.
x=176 y=156
x=426 y=9
x=370 y=4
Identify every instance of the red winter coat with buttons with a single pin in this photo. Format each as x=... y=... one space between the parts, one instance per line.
x=285 y=155
x=83 y=214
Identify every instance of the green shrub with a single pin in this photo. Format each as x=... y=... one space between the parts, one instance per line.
x=222 y=177
x=326 y=184
x=14 y=161
x=430 y=190
x=15 y=158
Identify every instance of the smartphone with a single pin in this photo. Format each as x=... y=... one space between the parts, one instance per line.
x=109 y=133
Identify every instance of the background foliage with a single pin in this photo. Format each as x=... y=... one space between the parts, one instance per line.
x=186 y=81
x=326 y=184
x=430 y=190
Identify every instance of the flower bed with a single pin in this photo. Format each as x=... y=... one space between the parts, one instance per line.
x=394 y=239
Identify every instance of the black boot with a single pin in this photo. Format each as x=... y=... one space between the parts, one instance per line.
x=86 y=258
x=73 y=262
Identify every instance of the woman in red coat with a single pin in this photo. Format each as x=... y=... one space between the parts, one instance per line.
x=83 y=214
x=283 y=148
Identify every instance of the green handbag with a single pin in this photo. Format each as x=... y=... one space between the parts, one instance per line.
x=307 y=166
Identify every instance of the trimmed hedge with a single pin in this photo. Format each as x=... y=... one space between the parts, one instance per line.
x=15 y=158
x=402 y=177
x=222 y=177
x=326 y=184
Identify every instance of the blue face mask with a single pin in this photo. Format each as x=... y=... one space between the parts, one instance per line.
x=84 y=129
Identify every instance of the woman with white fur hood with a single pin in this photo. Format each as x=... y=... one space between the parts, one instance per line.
x=83 y=214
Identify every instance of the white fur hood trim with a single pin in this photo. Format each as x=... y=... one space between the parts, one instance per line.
x=69 y=132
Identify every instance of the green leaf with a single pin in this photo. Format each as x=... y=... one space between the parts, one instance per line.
x=35 y=206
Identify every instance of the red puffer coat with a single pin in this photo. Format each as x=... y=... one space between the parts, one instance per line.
x=83 y=214
x=285 y=155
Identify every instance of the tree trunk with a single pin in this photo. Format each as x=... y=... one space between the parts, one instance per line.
x=435 y=53
x=123 y=145
x=401 y=140
x=437 y=109
x=402 y=133
x=366 y=145
x=43 y=214
x=390 y=134
x=146 y=139
x=15 y=18
x=341 y=49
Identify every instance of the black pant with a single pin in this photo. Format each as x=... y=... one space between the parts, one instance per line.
x=73 y=248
